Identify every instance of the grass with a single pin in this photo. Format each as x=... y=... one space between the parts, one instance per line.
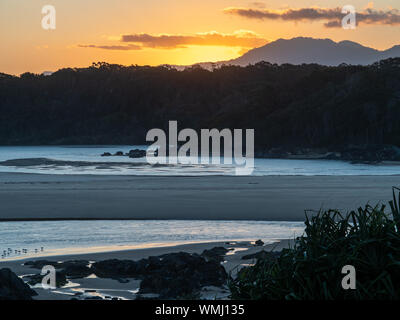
x=367 y=238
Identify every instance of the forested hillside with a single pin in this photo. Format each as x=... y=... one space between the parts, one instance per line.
x=289 y=106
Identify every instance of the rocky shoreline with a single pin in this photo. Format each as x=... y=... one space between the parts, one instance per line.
x=169 y=276
x=355 y=154
x=175 y=275
x=134 y=154
x=14 y=288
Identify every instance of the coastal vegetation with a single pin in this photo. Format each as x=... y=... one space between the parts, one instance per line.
x=368 y=239
x=294 y=109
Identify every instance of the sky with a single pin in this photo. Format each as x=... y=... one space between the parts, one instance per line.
x=181 y=32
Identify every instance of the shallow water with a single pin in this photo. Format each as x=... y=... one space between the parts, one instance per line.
x=127 y=166
x=62 y=236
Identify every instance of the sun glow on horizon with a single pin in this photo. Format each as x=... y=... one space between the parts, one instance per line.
x=175 y=32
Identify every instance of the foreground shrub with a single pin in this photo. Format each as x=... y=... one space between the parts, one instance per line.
x=368 y=239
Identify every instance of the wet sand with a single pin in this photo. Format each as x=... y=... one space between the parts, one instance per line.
x=35 y=196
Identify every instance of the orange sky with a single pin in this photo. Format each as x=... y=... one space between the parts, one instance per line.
x=165 y=31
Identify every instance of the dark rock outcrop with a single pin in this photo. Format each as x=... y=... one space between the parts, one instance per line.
x=216 y=253
x=115 y=268
x=137 y=153
x=39 y=264
x=169 y=276
x=259 y=243
x=13 y=288
x=61 y=279
x=72 y=263
x=70 y=269
x=75 y=269
x=181 y=274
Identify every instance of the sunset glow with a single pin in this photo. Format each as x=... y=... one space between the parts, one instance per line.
x=177 y=32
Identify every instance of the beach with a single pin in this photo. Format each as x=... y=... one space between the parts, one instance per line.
x=275 y=198
x=92 y=286
x=171 y=218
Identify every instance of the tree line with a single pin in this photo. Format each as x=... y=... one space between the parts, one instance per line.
x=310 y=106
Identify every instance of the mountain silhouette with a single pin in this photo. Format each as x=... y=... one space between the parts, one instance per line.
x=309 y=50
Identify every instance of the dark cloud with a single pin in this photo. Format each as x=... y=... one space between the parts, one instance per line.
x=371 y=16
x=245 y=39
x=241 y=39
x=333 y=16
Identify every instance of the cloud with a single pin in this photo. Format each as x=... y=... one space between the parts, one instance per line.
x=371 y=16
x=241 y=38
x=333 y=17
x=112 y=47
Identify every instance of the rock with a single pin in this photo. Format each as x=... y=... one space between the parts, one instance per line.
x=117 y=268
x=61 y=279
x=176 y=275
x=73 y=268
x=34 y=279
x=74 y=263
x=259 y=243
x=76 y=271
x=13 y=288
x=216 y=253
x=168 y=276
x=137 y=153
x=39 y=264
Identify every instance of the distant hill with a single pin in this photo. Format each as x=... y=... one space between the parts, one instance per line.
x=309 y=50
